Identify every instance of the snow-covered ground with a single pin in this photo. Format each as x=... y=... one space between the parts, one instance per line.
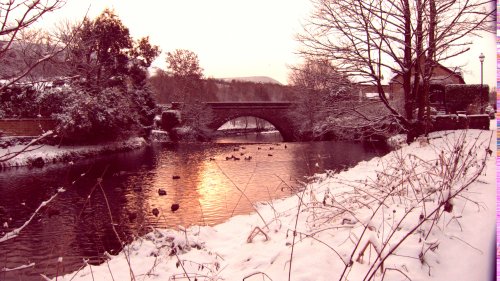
x=50 y=154
x=399 y=206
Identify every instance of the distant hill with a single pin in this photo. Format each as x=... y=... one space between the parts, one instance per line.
x=254 y=79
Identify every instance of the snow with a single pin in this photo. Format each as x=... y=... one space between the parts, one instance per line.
x=376 y=95
x=68 y=154
x=340 y=215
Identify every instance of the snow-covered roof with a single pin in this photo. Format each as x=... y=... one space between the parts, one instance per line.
x=375 y=95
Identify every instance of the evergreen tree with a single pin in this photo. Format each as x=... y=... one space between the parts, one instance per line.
x=110 y=97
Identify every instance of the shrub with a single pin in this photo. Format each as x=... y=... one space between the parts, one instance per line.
x=50 y=101
x=145 y=108
x=190 y=134
x=19 y=101
x=170 y=119
x=24 y=101
x=95 y=116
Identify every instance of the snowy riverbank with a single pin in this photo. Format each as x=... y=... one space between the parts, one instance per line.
x=41 y=154
x=414 y=210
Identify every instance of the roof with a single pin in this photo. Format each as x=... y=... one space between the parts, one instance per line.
x=444 y=78
x=375 y=96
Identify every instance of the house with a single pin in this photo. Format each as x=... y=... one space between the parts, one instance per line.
x=370 y=92
x=441 y=77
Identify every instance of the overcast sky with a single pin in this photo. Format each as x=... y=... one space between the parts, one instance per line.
x=236 y=38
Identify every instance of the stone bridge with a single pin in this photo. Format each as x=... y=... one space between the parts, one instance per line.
x=275 y=113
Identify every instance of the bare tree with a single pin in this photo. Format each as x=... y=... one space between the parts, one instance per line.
x=16 y=17
x=322 y=91
x=311 y=86
x=184 y=67
x=366 y=38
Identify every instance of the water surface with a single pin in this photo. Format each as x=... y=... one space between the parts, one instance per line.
x=77 y=224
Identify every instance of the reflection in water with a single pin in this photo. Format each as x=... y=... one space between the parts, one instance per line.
x=213 y=188
x=262 y=137
x=77 y=224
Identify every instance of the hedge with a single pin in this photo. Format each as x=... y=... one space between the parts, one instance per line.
x=458 y=96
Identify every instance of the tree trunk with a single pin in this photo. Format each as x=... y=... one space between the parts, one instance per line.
x=407 y=61
x=418 y=62
x=429 y=64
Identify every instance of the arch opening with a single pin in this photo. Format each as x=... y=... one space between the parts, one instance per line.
x=248 y=129
x=251 y=123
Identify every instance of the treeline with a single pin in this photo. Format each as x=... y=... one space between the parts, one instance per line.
x=214 y=90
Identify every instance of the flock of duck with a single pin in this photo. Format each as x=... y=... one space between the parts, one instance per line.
x=162 y=192
x=248 y=158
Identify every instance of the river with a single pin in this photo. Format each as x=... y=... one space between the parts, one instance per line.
x=208 y=187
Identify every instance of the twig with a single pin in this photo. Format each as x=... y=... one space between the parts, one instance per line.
x=127 y=257
x=6 y=269
x=254 y=233
x=246 y=185
x=12 y=155
x=14 y=233
x=295 y=233
x=256 y=273
x=455 y=237
x=179 y=262
x=383 y=275
x=242 y=192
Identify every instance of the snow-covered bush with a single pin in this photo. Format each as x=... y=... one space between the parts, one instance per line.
x=145 y=107
x=50 y=101
x=18 y=101
x=93 y=116
x=188 y=133
x=29 y=101
x=84 y=114
x=170 y=119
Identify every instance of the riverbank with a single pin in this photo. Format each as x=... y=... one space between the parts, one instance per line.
x=39 y=155
x=423 y=212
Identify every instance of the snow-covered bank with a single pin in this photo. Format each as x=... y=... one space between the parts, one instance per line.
x=386 y=204
x=52 y=154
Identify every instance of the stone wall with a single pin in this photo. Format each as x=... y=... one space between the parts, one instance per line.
x=26 y=127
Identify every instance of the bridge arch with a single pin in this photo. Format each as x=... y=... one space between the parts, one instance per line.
x=275 y=113
x=217 y=125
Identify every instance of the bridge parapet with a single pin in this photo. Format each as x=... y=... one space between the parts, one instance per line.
x=256 y=104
